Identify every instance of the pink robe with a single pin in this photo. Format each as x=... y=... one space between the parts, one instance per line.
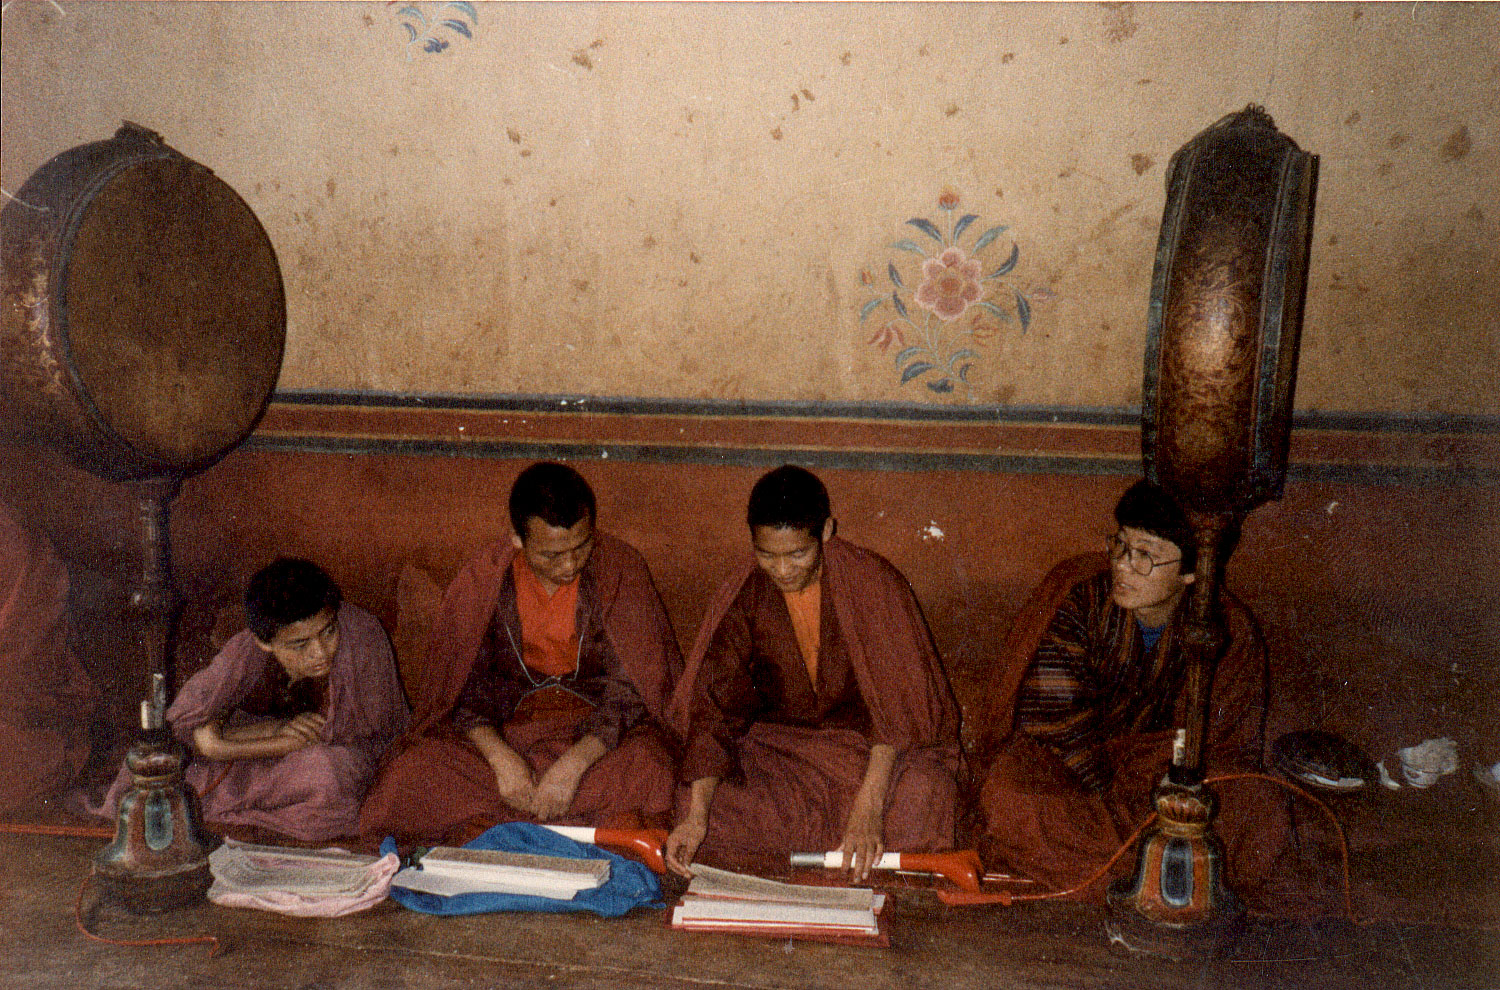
x=46 y=697
x=312 y=794
x=798 y=781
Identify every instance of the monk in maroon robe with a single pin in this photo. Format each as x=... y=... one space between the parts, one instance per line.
x=1091 y=703
x=46 y=697
x=288 y=723
x=815 y=709
x=546 y=687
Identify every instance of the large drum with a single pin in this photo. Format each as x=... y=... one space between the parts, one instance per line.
x=1226 y=314
x=144 y=316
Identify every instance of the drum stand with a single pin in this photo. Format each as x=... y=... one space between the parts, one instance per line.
x=159 y=857
x=1176 y=903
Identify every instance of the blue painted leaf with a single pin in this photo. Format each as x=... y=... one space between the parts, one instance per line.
x=963 y=224
x=914 y=370
x=943 y=385
x=890 y=267
x=994 y=311
x=1023 y=309
x=1007 y=266
x=909 y=352
x=460 y=27
x=411 y=32
x=956 y=355
x=869 y=308
x=467 y=8
x=911 y=246
x=900 y=306
x=927 y=227
x=413 y=12
x=988 y=237
x=963 y=373
x=435 y=45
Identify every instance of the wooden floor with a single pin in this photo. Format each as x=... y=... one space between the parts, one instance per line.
x=1036 y=945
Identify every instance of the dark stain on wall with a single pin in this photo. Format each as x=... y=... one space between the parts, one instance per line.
x=1140 y=163
x=1119 y=22
x=1457 y=145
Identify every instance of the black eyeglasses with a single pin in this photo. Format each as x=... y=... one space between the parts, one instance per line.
x=1139 y=560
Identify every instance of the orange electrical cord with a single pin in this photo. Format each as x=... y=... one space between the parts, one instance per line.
x=212 y=940
x=102 y=832
x=1006 y=897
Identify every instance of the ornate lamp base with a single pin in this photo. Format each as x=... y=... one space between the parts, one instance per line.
x=1176 y=904
x=159 y=858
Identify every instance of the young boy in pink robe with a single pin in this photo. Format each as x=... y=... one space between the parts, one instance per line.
x=288 y=723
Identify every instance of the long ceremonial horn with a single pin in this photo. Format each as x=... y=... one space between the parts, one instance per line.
x=960 y=866
x=645 y=843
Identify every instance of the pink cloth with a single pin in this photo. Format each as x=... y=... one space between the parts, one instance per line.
x=314 y=906
x=314 y=793
x=46 y=697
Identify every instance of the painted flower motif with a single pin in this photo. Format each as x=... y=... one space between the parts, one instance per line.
x=950 y=282
x=948 y=199
x=887 y=335
x=983 y=328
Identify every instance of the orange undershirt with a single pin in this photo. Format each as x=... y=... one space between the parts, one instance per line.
x=549 y=638
x=806 y=609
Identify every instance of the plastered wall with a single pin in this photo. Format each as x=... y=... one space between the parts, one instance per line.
x=713 y=200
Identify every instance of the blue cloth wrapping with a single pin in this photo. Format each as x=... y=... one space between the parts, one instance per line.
x=630 y=884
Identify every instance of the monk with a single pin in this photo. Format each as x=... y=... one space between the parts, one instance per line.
x=287 y=724
x=1091 y=722
x=46 y=697
x=815 y=710
x=547 y=681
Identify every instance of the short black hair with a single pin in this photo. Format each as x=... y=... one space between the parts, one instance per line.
x=288 y=590
x=553 y=493
x=789 y=497
x=1148 y=507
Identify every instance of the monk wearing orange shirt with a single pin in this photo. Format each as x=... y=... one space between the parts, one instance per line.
x=549 y=673
x=815 y=711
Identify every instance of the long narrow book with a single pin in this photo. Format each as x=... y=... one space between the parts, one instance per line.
x=448 y=871
x=256 y=869
x=721 y=901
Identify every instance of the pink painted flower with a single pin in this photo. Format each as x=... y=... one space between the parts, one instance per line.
x=950 y=282
x=886 y=335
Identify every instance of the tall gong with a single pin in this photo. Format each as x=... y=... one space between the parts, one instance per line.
x=143 y=327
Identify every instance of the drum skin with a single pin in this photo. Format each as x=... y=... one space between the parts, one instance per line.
x=1225 y=317
x=144 y=316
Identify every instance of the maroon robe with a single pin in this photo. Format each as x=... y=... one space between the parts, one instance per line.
x=790 y=758
x=46 y=697
x=437 y=787
x=311 y=794
x=1056 y=803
